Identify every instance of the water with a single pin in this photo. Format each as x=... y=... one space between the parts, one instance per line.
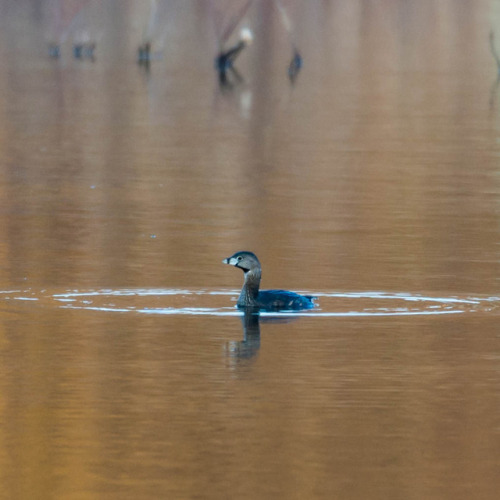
x=372 y=182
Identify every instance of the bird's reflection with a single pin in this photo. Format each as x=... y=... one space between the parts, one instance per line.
x=224 y=62
x=295 y=65
x=84 y=51
x=225 y=22
x=250 y=345
x=242 y=351
x=493 y=93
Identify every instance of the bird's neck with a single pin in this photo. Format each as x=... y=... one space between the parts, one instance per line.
x=250 y=290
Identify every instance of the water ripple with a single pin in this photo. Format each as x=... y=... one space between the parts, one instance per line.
x=179 y=301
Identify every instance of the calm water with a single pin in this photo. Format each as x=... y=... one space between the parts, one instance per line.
x=372 y=182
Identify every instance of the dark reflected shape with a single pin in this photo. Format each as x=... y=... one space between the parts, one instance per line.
x=54 y=51
x=493 y=92
x=228 y=83
x=246 y=349
x=84 y=51
x=225 y=60
x=295 y=65
x=144 y=53
x=250 y=345
x=494 y=50
x=296 y=61
x=266 y=300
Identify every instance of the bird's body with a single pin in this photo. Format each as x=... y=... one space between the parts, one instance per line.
x=270 y=300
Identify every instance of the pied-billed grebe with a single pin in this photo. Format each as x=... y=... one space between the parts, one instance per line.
x=270 y=300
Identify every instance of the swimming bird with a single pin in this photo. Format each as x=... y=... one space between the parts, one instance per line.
x=268 y=300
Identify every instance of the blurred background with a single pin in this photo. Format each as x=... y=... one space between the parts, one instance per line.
x=353 y=145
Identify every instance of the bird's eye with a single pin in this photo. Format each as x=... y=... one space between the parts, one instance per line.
x=239 y=258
